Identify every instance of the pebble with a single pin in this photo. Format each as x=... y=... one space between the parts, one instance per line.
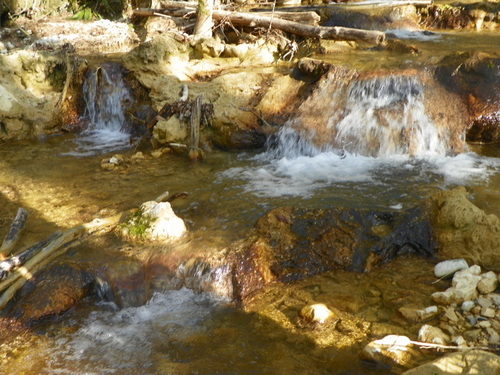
x=317 y=313
x=467 y=306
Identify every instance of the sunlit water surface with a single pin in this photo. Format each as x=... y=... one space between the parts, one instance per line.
x=182 y=332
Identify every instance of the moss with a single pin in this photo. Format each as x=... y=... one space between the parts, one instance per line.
x=136 y=226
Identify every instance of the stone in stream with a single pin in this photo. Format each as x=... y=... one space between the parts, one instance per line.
x=316 y=313
x=449 y=267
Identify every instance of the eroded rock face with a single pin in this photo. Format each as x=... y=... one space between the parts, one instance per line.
x=30 y=86
x=463 y=230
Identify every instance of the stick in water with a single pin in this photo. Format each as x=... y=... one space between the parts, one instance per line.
x=14 y=232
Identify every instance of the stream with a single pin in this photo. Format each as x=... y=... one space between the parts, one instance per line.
x=59 y=180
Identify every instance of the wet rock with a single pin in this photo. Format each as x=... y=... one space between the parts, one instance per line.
x=293 y=243
x=434 y=335
x=316 y=313
x=476 y=77
x=418 y=315
x=153 y=222
x=51 y=293
x=469 y=362
x=390 y=350
x=449 y=267
x=128 y=284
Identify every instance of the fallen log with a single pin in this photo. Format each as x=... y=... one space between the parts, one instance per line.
x=322 y=32
x=13 y=235
x=296 y=28
x=309 y=18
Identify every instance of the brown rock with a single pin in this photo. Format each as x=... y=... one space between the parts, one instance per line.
x=52 y=293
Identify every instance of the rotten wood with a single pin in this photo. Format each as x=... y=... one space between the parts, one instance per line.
x=13 y=235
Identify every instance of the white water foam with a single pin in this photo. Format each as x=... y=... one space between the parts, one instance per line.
x=122 y=342
x=288 y=173
x=420 y=35
x=105 y=94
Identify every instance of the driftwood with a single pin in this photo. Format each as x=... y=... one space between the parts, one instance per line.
x=17 y=270
x=56 y=245
x=322 y=32
x=194 y=152
x=309 y=18
x=311 y=31
x=15 y=230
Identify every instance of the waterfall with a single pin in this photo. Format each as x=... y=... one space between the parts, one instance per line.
x=379 y=116
x=105 y=96
x=361 y=133
x=386 y=116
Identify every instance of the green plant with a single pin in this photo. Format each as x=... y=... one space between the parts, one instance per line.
x=137 y=225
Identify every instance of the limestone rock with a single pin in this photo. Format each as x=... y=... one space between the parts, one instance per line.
x=488 y=283
x=392 y=349
x=449 y=267
x=52 y=292
x=316 y=313
x=171 y=130
x=433 y=335
x=465 y=363
x=153 y=221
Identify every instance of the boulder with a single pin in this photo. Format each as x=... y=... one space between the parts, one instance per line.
x=51 y=293
x=291 y=243
x=153 y=222
x=469 y=362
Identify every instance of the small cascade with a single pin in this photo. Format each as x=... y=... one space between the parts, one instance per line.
x=106 y=96
x=378 y=116
x=386 y=116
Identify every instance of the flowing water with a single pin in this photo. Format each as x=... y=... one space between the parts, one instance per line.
x=182 y=332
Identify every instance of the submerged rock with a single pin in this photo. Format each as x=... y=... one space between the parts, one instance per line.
x=292 y=243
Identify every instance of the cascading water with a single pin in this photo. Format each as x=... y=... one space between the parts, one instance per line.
x=386 y=116
x=355 y=131
x=105 y=96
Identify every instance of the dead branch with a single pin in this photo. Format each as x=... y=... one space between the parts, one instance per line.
x=296 y=28
x=322 y=32
x=13 y=235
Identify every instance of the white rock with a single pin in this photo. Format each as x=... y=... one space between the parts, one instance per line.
x=434 y=335
x=164 y=224
x=488 y=283
x=449 y=267
x=467 y=306
x=390 y=349
x=459 y=341
x=316 y=313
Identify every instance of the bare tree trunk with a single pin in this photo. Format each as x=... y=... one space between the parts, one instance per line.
x=204 y=22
